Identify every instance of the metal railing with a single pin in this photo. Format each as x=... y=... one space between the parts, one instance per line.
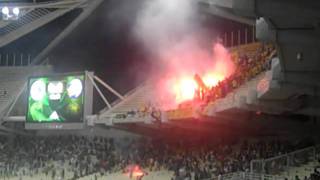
x=278 y=164
x=15 y=59
x=238 y=37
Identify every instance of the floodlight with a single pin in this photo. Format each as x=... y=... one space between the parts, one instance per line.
x=16 y=11
x=5 y=10
x=38 y=90
x=74 y=88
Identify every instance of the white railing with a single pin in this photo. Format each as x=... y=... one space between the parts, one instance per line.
x=238 y=37
x=15 y=59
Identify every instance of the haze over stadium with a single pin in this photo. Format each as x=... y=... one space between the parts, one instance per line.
x=172 y=32
x=159 y=90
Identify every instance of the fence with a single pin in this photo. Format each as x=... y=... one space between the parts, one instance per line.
x=238 y=37
x=228 y=39
x=282 y=163
x=15 y=59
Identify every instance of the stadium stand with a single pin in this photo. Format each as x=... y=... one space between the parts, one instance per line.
x=54 y=157
x=250 y=61
x=159 y=175
x=307 y=171
x=254 y=59
x=92 y=158
x=136 y=106
x=98 y=158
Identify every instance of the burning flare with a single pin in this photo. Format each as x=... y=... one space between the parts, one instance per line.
x=183 y=85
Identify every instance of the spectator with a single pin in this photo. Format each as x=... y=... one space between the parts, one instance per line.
x=248 y=66
x=58 y=156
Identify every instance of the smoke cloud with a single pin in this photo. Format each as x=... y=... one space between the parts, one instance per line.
x=171 y=30
x=167 y=29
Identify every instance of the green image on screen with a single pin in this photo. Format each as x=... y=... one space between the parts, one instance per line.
x=56 y=99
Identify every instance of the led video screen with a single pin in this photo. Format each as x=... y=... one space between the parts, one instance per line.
x=56 y=99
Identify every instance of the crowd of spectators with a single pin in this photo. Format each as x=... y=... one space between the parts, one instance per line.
x=71 y=157
x=249 y=60
x=54 y=156
x=247 y=66
x=202 y=160
x=315 y=175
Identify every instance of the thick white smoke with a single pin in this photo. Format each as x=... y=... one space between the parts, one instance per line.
x=162 y=22
x=164 y=26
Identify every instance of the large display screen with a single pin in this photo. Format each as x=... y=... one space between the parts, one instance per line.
x=56 y=99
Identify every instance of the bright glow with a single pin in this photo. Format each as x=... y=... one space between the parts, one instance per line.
x=74 y=88
x=54 y=96
x=38 y=90
x=185 y=89
x=16 y=11
x=5 y=10
x=134 y=171
x=74 y=107
x=55 y=89
x=137 y=173
x=54 y=116
x=212 y=79
x=184 y=64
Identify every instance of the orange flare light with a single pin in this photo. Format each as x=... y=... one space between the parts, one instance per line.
x=212 y=79
x=191 y=72
x=185 y=89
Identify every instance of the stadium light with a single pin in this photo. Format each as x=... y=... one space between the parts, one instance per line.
x=16 y=11
x=10 y=13
x=5 y=10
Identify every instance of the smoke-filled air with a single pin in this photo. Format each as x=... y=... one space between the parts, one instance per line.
x=172 y=32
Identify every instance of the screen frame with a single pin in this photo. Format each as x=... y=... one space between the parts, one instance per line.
x=57 y=124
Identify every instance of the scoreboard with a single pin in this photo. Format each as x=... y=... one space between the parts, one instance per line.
x=58 y=101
